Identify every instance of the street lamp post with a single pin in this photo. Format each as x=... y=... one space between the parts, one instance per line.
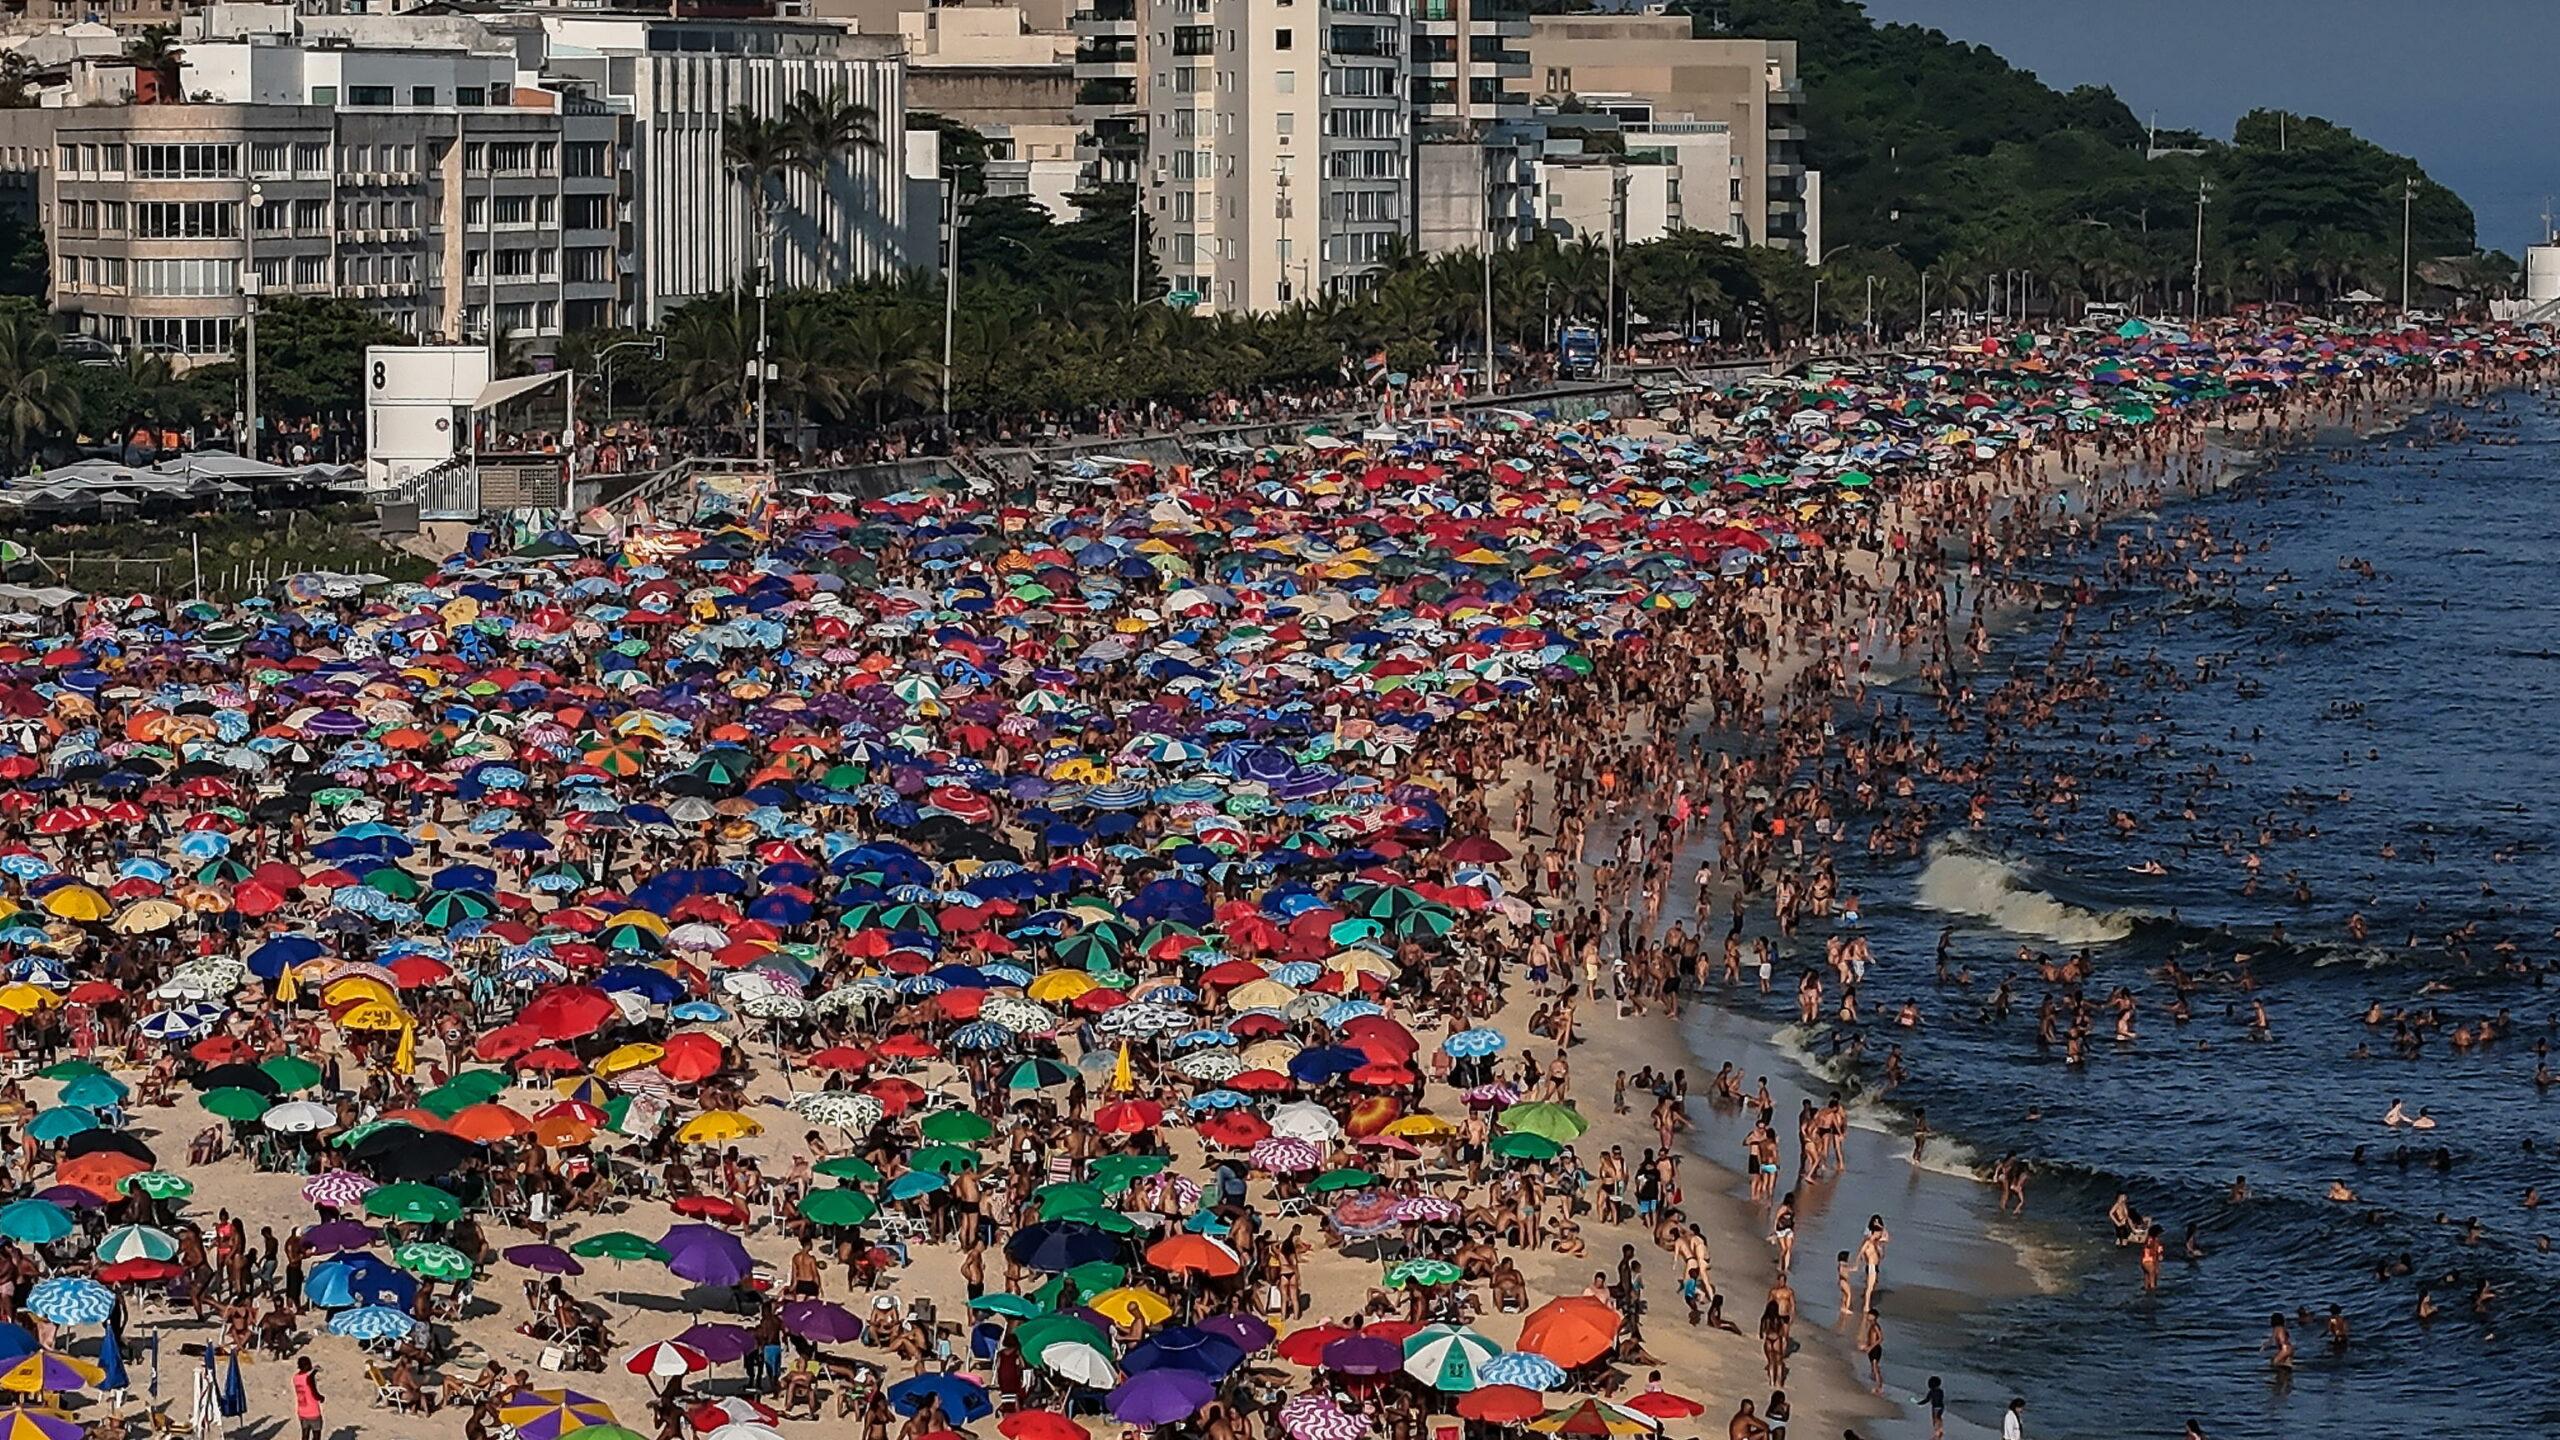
x=2196 y=300
x=764 y=367
x=950 y=287
x=1871 y=309
x=2408 y=202
x=249 y=324
x=1816 y=334
x=1924 y=302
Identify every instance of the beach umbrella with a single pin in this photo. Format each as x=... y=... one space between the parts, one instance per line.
x=1662 y=1405
x=550 y=1414
x=136 y=1242
x=431 y=1261
x=1520 y=1370
x=823 y=1321
x=706 y=1255
x=372 y=1322
x=37 y=1222
x=1501 y=1404
x=71 y=1300
x=961 y=1400
x=157 y=1185
x=1570 y=1330
x=1546 y=1119
x=1160 y=1397
x=49 y=1370
x=1021 y=1425
x=1446 y=1357
x=1317 y=1416
x=1594 y=1417
x=21 y=1423
x=412 y=1203
x=838 y=1208
x=665 y=1359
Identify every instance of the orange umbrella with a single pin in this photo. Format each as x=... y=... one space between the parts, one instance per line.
x=487 y=1122
x=557 y=1131
x=1571 y=1330
x=98 y=1171
x=692 y=1056
x=1180 y=1253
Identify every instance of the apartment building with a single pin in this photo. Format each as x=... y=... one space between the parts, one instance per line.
x=1649 y=70
x=420 y=182
x=994 y=69
x=1469 y=67
x=1279 y=163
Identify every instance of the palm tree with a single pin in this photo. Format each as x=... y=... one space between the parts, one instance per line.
x=885 y=365
x=707 y=350
x=36 y=398
x=760 y=150
x=824 y=129
x=157 y=50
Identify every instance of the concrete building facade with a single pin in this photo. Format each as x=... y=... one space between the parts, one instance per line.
x=1650 y=70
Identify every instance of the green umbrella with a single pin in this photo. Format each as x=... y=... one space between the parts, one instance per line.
x=1020 y=1307
x=944 y=1159
x=1425 y=1270
x=1067 y=1196
x=1038 y=1073
x=849 y=1167
x=956 y=1127
x=291 y=1072
x=837 y=1207
x=455 y=906
x=1560 y=1123
x=1091 y=1278
x=1349 y=1179
x=158 y=1184
x=618 y=1245
x=1125 y=1168
x=1524 y=1146
x=71 y=1070
x=412 y=1203
x=433 y=1262
x=395 y=882
x=1036 y=1336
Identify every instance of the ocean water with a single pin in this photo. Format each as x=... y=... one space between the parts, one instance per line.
x=2340 y=713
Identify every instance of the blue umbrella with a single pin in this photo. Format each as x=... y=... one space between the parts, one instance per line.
x=110 y=1362
x=71 y=1300
x=1475 y=1044
x=372 y=1322
x=1524 y=1368
x=962 y=1399
x=235 y=1400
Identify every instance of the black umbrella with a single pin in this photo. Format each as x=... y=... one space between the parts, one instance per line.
x=247 y=1077
x=418 y=1155
x=122 y=1142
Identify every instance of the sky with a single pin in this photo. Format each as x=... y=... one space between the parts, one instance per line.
x=2465 y=86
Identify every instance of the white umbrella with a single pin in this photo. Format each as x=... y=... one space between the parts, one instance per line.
x=1306 y=1120
x=299 y=1117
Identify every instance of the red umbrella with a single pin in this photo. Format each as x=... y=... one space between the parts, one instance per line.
x=1663 y=1405
x=569 y=1011
x=712 y=1207
x=1040 y=1425
x=692 y=1057
x=1234 y=1127
x=1128 y=1117
x=1501 y=1404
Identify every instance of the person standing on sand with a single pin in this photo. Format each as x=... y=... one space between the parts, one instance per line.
x=2013 y=1422
x=307 y=1397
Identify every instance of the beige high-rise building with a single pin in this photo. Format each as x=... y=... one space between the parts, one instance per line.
x=1650 y=70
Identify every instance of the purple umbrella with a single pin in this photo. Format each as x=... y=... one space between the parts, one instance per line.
x=719 y=1343
x=821 y=1320
x=1364 y=1355
x=1248 y=1331
x=1161 y=1397
x=330 y=1237
x=544 y=1259
x=72 y=1197
x=706 y=1254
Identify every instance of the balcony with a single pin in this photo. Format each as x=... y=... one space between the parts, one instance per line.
x=1099 y=98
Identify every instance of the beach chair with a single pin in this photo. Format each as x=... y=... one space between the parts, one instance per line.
x=385 y=1394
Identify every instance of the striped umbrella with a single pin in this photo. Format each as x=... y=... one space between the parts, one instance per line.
x=71 y=1300
x=372 y=1322
x=136 y=1242
x=337 y=1189
x=1521 y=1368
x=1315 y=1416
x=1282 y=1155
x=1447 y=1357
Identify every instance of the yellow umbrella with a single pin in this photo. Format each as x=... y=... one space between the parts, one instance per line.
x=78 y=903
x=1421 y=1127
x=23 y=998
x=144 y=916
x=358 y=987
x=630 y=1057
x=1262 y=994
x=718 y=1127
x=1132 y=1304
x=374 y=1015
x=641 y=918
x=1055 y=986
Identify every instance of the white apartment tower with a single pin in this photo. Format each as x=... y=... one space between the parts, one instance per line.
x=1279 y=146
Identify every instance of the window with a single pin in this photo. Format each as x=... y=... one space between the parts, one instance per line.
x=310 y=271
x=589 y=265
x=269 y=157
x=422 y=94
x=1280 y=39
x=1285 y=81
x=311 y=217
x=1194 y=40
x=187 y=162
x=583 y=160
x=369 y=96
x=187 y=336
x=470 y=97
x=324 y=94
x=589 y=212
x=359 y=159
x=310 y=157
x=186 y=219
x=515 y=209
x=360 y=214
x=359 y=270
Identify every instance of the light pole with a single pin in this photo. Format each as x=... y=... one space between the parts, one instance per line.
x=2196 y=316
x=1924 y=303
x=655 y=345
x=1816 y=334
x=1617 y=224
x=1137 y=235
x=1871 y=309
x=950 y=286
x=2408 y=202
x=764 y=369
x=1490 y=382
x=249 y=323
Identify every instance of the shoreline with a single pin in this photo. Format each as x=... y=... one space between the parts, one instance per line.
x=1951 y=1260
